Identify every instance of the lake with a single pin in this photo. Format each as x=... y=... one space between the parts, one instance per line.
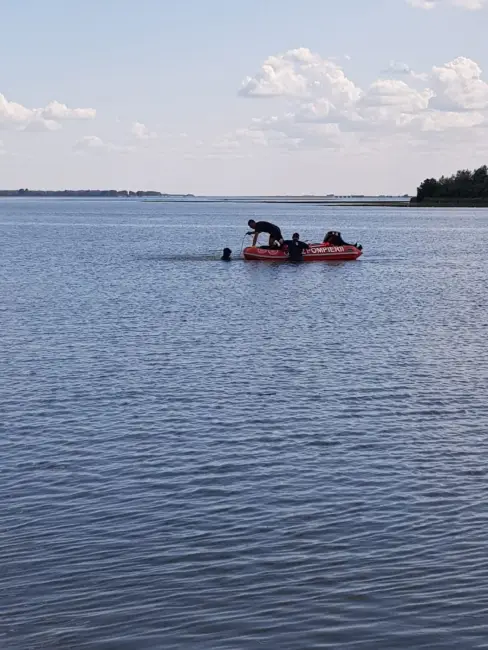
x=205 y=455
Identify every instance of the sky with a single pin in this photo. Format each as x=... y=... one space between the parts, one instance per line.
x=234 y=97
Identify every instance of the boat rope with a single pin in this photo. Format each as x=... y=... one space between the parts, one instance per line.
x=242 y=245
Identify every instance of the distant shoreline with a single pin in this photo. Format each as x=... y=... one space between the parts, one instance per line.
x=278 y=201
x=450 y=203
x=259 y=201
x=88 y=194
x=151 y=196
x=160 y=197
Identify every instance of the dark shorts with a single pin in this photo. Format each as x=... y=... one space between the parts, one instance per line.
x=271 y=230
x=276 y=234
x=275 y=242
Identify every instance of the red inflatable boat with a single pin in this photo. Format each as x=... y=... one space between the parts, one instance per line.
x=316 y=253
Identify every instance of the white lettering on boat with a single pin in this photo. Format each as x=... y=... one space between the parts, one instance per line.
x=313 y=250
x=326 y=249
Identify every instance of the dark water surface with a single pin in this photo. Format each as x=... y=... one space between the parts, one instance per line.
x=203 y=455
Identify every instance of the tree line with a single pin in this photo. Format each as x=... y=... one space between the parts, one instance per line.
x=84 y=193
x=464 y=184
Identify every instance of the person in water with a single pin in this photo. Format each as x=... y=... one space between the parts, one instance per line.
x=296 y=248
x=275 y=236
x=226 y=255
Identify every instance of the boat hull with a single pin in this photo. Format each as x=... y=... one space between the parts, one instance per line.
x=316 y=253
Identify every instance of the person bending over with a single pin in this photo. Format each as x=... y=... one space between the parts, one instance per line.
x=275 y=236
x=296 y=248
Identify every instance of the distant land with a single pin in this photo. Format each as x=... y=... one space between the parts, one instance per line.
x=329 y=199
x=153 y=196
x=464 y=189
x=89 y=193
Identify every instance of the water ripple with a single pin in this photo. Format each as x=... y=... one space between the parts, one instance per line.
x=240 y=456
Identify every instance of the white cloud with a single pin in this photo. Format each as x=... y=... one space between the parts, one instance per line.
x=397 y=95
x=18 y=117
x=328 y=110
x=422 y=4
x=438 y=121
x=458 y=86
x=300 y=73
x=293 y=131
x=88 y=142
x=13 y=113
x=94 y=144
x=38 y=124
x=471 y=5
x=59 y=112
x=140 y=131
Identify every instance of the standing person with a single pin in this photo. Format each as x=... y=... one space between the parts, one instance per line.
x=296 y=248
x=275 y=236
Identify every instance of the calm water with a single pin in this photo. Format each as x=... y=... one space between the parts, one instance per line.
x=203 y=455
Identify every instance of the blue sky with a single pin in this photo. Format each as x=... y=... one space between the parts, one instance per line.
x=180 y=101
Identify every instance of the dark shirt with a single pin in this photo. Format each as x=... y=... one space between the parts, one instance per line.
x=270 y=228
x=334 y=240
x=295 y=249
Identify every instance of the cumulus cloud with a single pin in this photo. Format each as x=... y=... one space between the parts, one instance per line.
x=471 y=5
x=300 y=73
x=397 y=95
x=95 y=144
x=13 y=113
x=18 y=117
x=458 y=86
x=60 y=112
x=326 y=108
x=141 y=132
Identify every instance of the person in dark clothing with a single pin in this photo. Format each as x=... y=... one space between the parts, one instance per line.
x=296 y=248
x=226 y=255
x=334 y=238
x=275 y=236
